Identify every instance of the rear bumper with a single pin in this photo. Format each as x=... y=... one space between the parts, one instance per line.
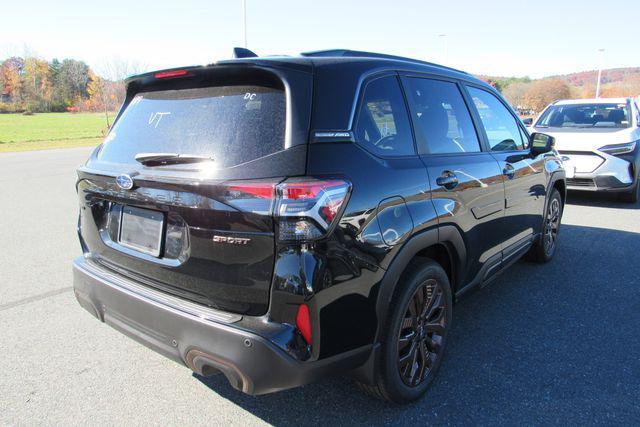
x=202 y=339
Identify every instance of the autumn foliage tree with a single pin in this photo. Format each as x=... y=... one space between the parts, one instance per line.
x=544 y=92
x=35 y=85
x=515 y=94
x=104 y=95
x=12 y=70
x=631 y=88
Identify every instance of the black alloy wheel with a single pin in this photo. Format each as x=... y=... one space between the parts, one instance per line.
x=546 y=245
x=414 y=333
x=422 y=333
x=551 y=226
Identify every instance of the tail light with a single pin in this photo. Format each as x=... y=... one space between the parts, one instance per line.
x=307 y=208
x=170 y=74
x=251 y=196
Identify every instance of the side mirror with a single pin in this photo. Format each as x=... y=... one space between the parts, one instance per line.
x=541 y=143
x=528 y=121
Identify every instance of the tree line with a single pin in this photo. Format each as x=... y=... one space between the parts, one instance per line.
x=34 y=85
x=532 y=96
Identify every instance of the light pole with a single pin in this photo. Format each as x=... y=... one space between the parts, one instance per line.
x=445 y=52
x=244 y=23
x=599 y=72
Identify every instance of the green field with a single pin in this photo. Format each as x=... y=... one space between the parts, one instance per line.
x=50 y=130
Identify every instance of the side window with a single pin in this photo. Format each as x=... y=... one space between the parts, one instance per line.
x=383 y=123
x=501 y=127
x=441 y=118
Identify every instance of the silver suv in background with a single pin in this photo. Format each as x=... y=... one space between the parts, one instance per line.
x=599 y=140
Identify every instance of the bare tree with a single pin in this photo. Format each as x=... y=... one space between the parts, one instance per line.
x=74 y=77
x=118 y=68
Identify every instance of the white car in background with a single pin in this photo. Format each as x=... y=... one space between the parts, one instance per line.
x=599 y=140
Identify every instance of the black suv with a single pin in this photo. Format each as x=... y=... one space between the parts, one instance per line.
x=280 y=219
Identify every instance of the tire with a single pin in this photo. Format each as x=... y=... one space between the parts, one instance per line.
x=413 y=346
x=633 y=195
x=545 y=247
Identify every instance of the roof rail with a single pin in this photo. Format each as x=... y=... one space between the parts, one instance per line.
x=363 y=54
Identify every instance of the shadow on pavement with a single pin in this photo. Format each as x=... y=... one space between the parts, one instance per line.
x=550 y=344
x=600 y=200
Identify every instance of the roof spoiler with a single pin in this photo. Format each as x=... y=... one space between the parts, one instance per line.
x=241 y=52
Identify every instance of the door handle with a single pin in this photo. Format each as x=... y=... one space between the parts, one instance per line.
x=509 y=171
x=448 y=180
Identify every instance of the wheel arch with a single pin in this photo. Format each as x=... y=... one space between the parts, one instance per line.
x=561 y=185
x=444 y=245
x=557 y=182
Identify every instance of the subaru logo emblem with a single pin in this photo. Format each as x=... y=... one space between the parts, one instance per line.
x=125 y=182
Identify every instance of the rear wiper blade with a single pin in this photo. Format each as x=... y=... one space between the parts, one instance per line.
x=160 y=159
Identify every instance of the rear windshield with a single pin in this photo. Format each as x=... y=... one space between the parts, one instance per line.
x=232 y=124
x=585 y=116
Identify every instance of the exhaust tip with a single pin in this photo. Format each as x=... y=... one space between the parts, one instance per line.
x=207 y=364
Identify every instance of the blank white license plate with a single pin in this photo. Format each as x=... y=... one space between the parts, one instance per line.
x=141 y=229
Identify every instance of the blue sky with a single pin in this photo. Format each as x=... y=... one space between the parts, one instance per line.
x=492 y=37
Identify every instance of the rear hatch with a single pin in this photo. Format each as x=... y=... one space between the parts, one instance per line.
x=180 y=195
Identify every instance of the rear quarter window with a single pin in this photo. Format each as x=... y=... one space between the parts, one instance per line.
x=383 y=122
x=232 y=124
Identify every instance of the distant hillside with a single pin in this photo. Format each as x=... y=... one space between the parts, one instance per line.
x=618 y=76
x=528 y=94
x=612 y=75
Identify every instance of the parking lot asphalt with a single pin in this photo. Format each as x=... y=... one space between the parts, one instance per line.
x=550 y=344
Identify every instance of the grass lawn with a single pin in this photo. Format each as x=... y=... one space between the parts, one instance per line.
x=8 y=147
x=50 y=130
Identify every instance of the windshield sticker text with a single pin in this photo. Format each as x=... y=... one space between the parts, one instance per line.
x=155 y=118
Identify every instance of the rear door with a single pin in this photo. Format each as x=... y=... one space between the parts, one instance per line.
x=524 y=177
x=466 y=183
x=203 y=230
